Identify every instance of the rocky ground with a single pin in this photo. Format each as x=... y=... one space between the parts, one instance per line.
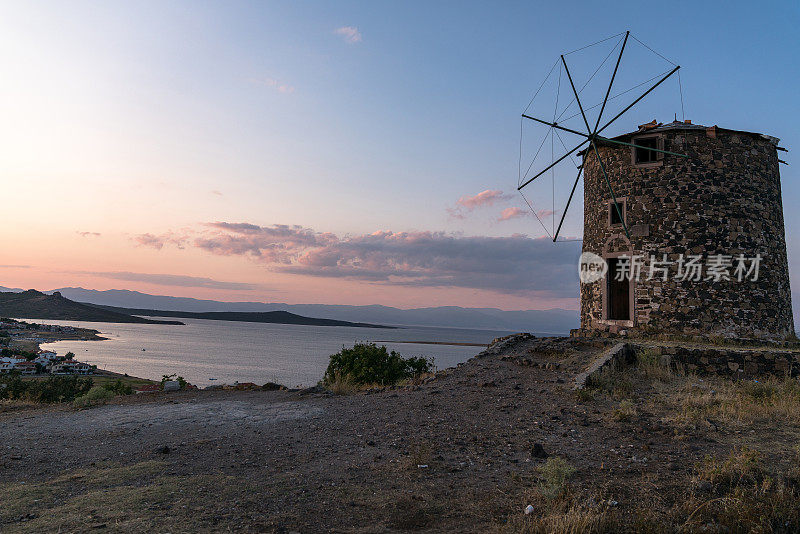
x=646 y=449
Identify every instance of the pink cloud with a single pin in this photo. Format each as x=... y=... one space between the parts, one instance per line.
x=512 y=213
x=482 y=199
x=544 y=213
x=419 y=259
x=158 y=241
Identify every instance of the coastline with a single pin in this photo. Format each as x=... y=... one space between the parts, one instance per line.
x=78 y=334
x=449 y=343
x=212 y=353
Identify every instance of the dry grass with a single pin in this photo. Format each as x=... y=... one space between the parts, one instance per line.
x=744 y=402
x=626 y=411
x=740 y=494
x=737 y=494
x=133 y=498
x=651 y=366
x=343 y=385
x=564 y=518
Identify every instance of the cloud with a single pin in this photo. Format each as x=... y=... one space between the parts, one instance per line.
x=544 y=213
x=172 y=280
x=481 y=200
x=517 y=264
x=15 y=266
x=272 y=83
x=158 y=241
x=516 y=213
x=89 y=234
x=278 y=243
x=218 y=193
x=512 y=213
x=349 y=33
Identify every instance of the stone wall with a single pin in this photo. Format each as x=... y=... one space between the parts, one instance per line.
x=724 y=199
x=730 y=362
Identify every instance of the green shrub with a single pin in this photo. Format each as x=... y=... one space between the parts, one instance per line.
x=554 y=475
x=118 y=387
x=51 y=389
x=367 y=363
x=18 y=352
x=96 y=395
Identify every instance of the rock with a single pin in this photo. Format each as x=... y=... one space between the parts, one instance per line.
x=312 y=390
x=529 y=509
x=538 y=451
x=703 y=486
x=272 y=386
x=164 y=449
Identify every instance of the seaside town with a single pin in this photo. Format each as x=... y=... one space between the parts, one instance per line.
x=17 y=336
x=20 y=354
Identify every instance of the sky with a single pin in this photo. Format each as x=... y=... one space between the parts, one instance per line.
x=339 y=152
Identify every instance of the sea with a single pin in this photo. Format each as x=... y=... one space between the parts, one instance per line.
x=208 y=352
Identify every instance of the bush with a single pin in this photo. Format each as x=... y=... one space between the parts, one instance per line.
x=51 y=389
x=118 y=387
x=96 y=395
x=367 y=363
x=554 y=475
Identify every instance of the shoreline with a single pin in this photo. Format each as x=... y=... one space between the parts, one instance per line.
x=79 y=334
x=450 y=343
x=35 y=341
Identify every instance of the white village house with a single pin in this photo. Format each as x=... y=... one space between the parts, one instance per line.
x=70 y=367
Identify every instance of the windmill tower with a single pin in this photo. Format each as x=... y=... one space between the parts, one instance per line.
x=688 y=220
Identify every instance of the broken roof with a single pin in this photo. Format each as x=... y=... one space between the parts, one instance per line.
x=655 y=126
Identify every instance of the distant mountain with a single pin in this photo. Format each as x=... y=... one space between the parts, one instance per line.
x=12 y=289
x=556 y=321
x=32 y=304
x=280 y=317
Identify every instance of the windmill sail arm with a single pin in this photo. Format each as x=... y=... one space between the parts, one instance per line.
x=569 y=200
x=659 y=82
x=556 y=162
x=555 y=125
x=614 y=75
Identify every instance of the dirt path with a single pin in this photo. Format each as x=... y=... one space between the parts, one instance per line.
x=454 y=454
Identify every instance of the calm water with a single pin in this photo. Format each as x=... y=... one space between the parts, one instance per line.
x=293 y=355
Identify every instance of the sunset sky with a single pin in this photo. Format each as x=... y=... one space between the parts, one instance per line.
x=331 y=152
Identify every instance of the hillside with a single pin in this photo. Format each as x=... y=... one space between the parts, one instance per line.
x=33 y=304
x=279 y=317
x=551 y=321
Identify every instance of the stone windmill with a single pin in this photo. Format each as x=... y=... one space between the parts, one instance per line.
x=688 y=220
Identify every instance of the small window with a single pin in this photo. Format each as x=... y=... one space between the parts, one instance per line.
x=643 y=154
x=614 y=215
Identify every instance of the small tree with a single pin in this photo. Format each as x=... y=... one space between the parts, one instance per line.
x=367 y=363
